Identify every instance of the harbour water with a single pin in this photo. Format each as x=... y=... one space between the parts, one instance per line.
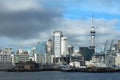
x=56 y=75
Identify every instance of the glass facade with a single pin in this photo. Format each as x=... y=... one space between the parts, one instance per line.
x=41 y=47
x=87 y=53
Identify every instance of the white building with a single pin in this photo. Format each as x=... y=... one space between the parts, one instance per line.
x=57 y=43
x=64 y=46
x=33 y=54
x=21 y=57
x=6 y=58
x=109 y=60
x=117 y=60
x=40 y=58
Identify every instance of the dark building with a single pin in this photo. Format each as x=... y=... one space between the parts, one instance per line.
x=70 y=49
x=87 y=53
x=29 y=65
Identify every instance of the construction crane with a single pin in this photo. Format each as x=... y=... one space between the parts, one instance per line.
x=111 y=45
x=105 y=47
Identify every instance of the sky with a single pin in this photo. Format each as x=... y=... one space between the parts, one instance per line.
x=25 y=22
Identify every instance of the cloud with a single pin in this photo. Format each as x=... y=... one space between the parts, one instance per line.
x=19 y=5
x=78 y=31
x=24 y=22
x=25 y=19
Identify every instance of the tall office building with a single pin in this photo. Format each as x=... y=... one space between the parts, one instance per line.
x=57 y=43
x=41 y=52
x=70 y=49
x=41 y=47
x=64 y=46
x=50 y=47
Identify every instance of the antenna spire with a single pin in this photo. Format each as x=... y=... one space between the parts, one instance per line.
x=92 y=19
x=92 y=32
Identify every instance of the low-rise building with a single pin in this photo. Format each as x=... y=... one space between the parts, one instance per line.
x=117 y=60
x=21 y=57
x=6 y=58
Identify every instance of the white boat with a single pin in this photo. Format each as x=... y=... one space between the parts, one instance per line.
x=65 y=67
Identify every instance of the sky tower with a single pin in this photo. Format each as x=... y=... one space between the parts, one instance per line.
x=92 y=32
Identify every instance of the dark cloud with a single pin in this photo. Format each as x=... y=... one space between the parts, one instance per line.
x=26 y=24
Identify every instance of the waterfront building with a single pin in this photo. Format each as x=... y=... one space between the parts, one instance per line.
x=21 y=55
x=6 y=58
x=57 y=43
x=109 y=60
x=40 y=58
x=75 y=59
x=98 y=60
x=33 y=54
x=64 y=46
x=117 y=60
x=76 y=56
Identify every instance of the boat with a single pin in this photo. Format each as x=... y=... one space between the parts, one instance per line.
x=65 y=68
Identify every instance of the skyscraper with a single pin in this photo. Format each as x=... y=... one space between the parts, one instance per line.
x=41 y=52
x=57 y=43
x=70 y=49
x=64 y=46
x=50 y=47
x=41 y=47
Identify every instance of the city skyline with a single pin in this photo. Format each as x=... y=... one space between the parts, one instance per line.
x=25 y=22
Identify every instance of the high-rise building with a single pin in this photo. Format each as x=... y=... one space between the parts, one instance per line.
x=64 y=46
x=50 y=47
x=41 y=52
x=70 y=49
x=41 y=47
x=57 y=43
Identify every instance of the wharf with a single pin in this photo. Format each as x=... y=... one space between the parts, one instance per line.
x=92 y=70
x=21 y=70
x=88 y=70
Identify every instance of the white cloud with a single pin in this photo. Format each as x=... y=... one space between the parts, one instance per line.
x=20 y=5
x=79 y=30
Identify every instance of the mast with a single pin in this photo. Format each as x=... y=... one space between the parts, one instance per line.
x=92 y=32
